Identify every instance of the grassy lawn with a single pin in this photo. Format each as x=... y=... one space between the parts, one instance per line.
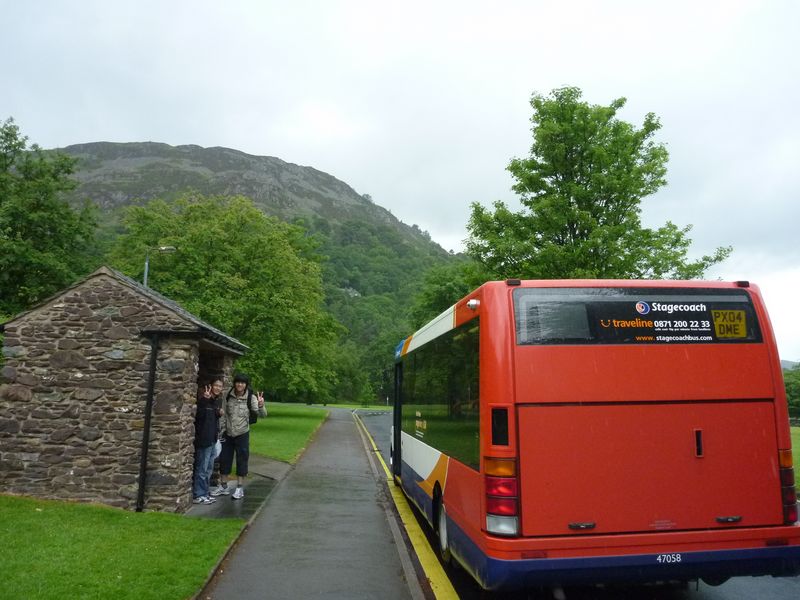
x=286 y=431
x=51 y=549
x=58 y=550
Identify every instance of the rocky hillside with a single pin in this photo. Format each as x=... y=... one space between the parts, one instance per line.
x=373 y=266
x=117 y=174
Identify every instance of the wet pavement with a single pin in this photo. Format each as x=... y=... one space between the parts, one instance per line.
x=264 y=475
x=322 y=532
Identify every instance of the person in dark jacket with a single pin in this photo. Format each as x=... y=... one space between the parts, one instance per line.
x=206 y=427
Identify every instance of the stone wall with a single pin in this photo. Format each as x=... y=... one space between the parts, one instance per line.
x=72 y=405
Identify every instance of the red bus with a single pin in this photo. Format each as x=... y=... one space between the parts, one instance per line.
x=600 y=431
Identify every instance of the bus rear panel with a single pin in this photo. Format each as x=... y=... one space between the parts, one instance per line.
x=600 y=431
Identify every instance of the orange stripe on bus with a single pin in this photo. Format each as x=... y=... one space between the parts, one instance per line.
x=439 y=473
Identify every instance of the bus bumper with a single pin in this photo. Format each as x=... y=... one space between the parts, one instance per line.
x=496 y=574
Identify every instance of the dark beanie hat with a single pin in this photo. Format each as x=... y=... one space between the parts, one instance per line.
x=241 y=377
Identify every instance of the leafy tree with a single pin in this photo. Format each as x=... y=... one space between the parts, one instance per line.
x=367 y=259
x=371 y=273
x=353 y=384
x=374 y=325
x=443 y=286
x=581 y=189
x=44 y=243
x=791 y=378
x=254 y=277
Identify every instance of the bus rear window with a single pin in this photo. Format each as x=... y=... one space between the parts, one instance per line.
x=633 y=316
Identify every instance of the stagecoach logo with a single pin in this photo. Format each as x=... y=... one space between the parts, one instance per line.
x=642 y=307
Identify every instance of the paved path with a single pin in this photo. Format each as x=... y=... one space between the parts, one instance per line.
x=323 y=532
x=265 y=473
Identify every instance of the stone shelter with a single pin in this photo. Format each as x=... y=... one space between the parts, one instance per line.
x=98 y=392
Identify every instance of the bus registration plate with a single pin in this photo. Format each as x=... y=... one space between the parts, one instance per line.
x=729 y=323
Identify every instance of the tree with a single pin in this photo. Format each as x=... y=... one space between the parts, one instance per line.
x=371 y=272
x=45 y=244
x=791 y=378
x=581 y=189
x=443 y=286
x=250 y=275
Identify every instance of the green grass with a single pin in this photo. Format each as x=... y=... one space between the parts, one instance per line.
x=52 y=549
x=286 y=431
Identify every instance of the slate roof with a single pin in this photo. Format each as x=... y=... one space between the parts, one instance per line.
x=205 y=330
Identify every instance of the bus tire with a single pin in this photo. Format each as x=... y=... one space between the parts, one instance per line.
x=714 y=581
x=440 y=520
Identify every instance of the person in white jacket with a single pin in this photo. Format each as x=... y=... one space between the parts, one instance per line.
x=235 y=434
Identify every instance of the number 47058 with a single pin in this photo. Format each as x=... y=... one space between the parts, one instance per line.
x=668 y=558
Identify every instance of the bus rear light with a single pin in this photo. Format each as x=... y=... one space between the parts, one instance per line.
x=787 y=477
x=788 y=491
x=501 y=486
x=790 y=514
x=506 y=507
x=500 y=467
x=502 y=490
x=507 y=526
x=789 y=497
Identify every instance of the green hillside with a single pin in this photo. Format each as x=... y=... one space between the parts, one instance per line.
x=373 y=263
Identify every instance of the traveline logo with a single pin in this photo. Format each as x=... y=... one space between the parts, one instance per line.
x=671 y=308
x=642 y=307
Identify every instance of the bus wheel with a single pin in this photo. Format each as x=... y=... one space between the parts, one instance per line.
x=441 y=531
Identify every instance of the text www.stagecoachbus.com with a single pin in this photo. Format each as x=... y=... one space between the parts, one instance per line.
x=677 y=338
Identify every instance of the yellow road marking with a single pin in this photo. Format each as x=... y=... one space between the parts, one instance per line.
x=440 y=583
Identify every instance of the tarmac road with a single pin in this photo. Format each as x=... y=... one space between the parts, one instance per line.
x=323 y=532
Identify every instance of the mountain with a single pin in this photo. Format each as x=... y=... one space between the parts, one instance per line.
x=117 y=174
x=370 y=251
x=788 y=364
x=374 y=263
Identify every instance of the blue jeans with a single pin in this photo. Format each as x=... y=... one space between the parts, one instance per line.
x=203 y=467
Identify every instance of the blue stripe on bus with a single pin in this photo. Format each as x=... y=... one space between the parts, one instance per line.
x=494 y=574
x=411 y=480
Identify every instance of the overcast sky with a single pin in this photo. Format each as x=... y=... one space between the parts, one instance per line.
x=423 y=104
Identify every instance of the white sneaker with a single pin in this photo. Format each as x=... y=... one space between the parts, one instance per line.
x=198 y=500
x=221 y=490
x=238 y=493
x=208 y=500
